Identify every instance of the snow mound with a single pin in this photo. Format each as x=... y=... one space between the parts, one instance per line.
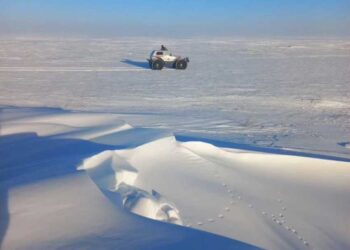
x=271 y=200
x=113 y=174
x=229 y=191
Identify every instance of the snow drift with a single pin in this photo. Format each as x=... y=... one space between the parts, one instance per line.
x=286 y=199
x=45 y=203
x=273 y=201
x=113 y=174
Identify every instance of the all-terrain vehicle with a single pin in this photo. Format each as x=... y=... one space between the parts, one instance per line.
x=160 y=58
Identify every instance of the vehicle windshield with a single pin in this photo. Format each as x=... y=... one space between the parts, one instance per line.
x=159 y=53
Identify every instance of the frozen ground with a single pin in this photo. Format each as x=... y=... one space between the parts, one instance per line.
x=276 y=93
x=248 y=147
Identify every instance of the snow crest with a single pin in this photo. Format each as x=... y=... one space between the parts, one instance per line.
x=215 y=188
x=111 y=173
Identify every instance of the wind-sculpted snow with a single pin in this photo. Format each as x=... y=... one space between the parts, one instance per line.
x=45 y=203
x=112 y=174
x=285 y=198
x=273 y=200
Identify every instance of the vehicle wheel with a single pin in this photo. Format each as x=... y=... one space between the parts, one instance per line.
x=150 y=63
x=181 y=64
x=157 y=64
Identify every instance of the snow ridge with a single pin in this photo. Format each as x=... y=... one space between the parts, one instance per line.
x=113 y=174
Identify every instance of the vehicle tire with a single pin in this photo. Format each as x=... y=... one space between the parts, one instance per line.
x=150 y=63
x=157 y=64
x=181 y=64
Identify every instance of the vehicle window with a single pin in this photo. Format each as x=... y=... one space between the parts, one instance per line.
x=159 y=53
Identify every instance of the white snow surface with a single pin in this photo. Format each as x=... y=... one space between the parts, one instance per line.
x=247 y=148
x=46 y=202
x=78 y=186
x=278 y=93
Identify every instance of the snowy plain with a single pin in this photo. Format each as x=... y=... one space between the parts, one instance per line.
x=249 y=144
x=279 y=93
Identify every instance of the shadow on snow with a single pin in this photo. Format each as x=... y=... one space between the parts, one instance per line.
x=28 y=158
x=140 y=64
x=224 y=144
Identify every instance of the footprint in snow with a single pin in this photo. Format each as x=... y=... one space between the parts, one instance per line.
x=279 y=222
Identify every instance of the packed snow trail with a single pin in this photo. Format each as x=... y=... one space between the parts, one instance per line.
x=69 y=69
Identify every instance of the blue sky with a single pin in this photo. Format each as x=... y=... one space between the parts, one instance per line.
x=109 y=18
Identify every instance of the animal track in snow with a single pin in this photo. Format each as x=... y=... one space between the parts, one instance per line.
x=280 y=219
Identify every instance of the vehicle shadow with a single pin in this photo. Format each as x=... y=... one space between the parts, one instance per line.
x=140 y=64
